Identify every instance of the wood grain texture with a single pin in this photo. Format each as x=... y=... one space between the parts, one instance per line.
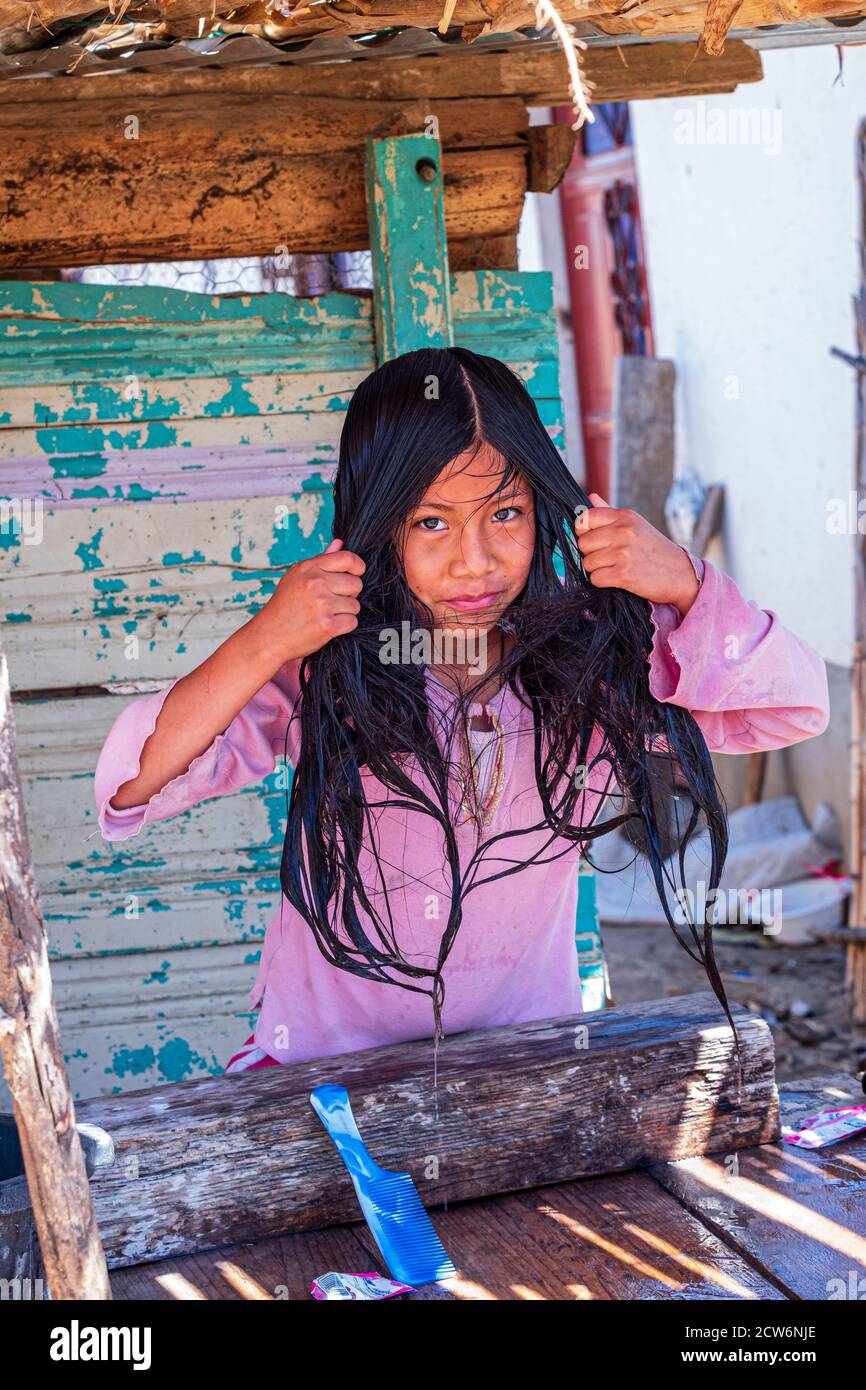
x=720 y=17
x=412 y=289
x=100 y=182
x=517 y=1107
x=666 y=18
x=493 y=252
x=798 y=1216
x=610 y=1237
x=538 y=78
x=550 y=151
x=33 y=1064
x=642 y=451
x=225 y=126
x=614 y=1237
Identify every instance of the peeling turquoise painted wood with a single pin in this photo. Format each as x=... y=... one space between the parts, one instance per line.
x=181 y=451
x=136 y=411
x=143 y=592
x=406 y=217
x=192 y=398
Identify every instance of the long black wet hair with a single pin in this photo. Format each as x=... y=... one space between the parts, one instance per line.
x=578 y=655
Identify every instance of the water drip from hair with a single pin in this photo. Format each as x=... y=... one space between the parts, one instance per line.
x=438 y=997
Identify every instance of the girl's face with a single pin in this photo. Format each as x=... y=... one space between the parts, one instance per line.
x=465 y=557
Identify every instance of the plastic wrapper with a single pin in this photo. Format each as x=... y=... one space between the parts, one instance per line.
x=829 y=1127
x=365 y=1286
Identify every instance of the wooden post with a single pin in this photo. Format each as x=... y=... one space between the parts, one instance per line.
x=411 y=287
x=33 y=1059
x=642 y=457
x=855 y=973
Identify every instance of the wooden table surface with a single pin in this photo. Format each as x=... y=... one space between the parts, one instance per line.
x=772 y=1222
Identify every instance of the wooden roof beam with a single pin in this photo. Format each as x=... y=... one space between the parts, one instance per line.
x=540 y=78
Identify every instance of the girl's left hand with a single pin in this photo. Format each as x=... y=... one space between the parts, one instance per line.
x=621 y=550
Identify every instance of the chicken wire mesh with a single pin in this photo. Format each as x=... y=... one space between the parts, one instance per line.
x=299 y=275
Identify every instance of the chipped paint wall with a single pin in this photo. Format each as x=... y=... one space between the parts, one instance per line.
x=164 y=456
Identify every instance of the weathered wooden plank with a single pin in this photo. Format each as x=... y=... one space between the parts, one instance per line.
x=550 y=151
x=156 y=1017
x=480 y=298
x=60 y=329
x=128 y=346
x=189 y=880
x=310 y=430
x=642 y=454
x=133 y=305
x=93 y=399
x=492 y=252
x=80 y=479
x=125 y=203
x=224 y=126
x=616 y=1237
x=652 y=70
x=136 y=593
x=517 y=1107
x=799 y=1216
x=280 y=1269
x=412 y=292
x=154 y=941
x=539 y=78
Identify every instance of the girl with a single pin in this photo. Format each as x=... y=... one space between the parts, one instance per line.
x=442 y=789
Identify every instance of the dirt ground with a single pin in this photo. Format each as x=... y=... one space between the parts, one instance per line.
x=799 y=990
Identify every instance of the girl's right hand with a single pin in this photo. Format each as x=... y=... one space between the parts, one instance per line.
x=315 y=600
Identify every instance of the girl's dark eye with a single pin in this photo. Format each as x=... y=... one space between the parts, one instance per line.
x=497 y=516
x=423 y=522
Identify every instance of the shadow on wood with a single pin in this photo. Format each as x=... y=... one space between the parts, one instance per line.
x=239 y=1157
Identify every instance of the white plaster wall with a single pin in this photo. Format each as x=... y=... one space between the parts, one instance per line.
x=752 y=252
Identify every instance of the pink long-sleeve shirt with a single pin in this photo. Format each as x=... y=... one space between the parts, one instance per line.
x=748 y=681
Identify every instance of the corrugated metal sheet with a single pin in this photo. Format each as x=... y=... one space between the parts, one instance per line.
x=124 y=50
x=84 y=55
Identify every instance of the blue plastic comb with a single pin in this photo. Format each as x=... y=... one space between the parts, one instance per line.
x=392 y=1208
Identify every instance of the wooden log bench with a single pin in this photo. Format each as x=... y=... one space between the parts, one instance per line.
x=779 y=1224
x=242 y=1157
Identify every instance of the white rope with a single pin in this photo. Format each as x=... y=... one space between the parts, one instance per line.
x=546 y=13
